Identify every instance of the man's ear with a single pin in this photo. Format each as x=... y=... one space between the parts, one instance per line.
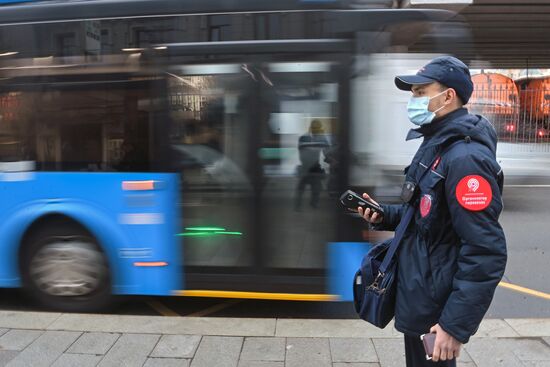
x=451 y=95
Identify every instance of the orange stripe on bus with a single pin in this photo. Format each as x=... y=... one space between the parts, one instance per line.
x=138 y=185
x=151 y=263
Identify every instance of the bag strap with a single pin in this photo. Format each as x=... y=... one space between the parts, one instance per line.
x=406 y=219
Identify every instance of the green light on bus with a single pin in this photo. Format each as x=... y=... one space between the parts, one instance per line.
x=203 y=229
x=230 y=233
x=208 y=233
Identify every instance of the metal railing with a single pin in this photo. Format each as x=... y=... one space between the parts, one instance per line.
x=522 y=119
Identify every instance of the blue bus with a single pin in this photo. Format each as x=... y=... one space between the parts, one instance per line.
x=195 y=148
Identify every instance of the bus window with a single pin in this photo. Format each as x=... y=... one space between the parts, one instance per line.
x=14 y=146
x=78 y=126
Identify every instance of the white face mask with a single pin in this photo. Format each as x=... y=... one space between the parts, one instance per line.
x=418 y=112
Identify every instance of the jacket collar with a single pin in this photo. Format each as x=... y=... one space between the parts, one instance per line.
x=436 y=126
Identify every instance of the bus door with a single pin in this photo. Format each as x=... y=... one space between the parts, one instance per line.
x=255 y=139
x=211 y=141
x=301 y=155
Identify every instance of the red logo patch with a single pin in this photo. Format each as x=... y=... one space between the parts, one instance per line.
x=474 y=193
x=425 y=205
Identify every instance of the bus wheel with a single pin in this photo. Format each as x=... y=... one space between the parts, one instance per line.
x=64 y=269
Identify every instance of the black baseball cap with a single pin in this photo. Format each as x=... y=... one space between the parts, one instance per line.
x=446 y=70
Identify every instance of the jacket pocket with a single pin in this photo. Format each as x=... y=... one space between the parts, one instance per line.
x=443 y=268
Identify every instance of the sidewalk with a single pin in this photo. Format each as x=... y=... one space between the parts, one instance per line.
x=55 y=339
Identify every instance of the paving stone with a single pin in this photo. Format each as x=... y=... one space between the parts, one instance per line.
x=46 y=349
x=130 y=350
x=391 y=352
x=166 y=362
x=77 y=360
x=176 y=346
x=333 y=329
x=3 y=331
x=260 y=364
x=352 y=350
x=353 y=364
x=536 y=363
x=530 y=327
x=18 y=339
x=27 y=320
x=491 y=352
x=464 y=356
x=94 y=343
x=263 y=349
x=166 y=325
x=307 y=352
x=530 y=349
x=465 y=364
x=219 y=351
x=6 y=356
x=495 y=328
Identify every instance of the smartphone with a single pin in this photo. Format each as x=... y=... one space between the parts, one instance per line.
x=352 y=201
x=428 y=340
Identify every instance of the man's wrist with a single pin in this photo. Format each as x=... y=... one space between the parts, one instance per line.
x=446 y=329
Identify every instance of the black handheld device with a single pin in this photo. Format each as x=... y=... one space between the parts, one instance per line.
x=352 y=201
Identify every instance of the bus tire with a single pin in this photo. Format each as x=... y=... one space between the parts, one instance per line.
x=63 y=268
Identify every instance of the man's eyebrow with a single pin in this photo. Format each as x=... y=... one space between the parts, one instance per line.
x=418 y=88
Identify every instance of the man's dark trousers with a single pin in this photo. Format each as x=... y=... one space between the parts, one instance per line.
x=416 y=357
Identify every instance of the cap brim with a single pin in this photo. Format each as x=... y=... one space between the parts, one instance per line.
x=405 y=82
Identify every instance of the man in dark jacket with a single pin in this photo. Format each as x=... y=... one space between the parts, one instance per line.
x=310 y=146
x=453 y=253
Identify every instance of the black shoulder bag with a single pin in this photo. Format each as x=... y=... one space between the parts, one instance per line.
x=374 y=284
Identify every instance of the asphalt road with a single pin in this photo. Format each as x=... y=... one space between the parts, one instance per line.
x=526 y=223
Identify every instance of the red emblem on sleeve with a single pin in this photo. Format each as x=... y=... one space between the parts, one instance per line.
x=425 y=205
x=474 y=193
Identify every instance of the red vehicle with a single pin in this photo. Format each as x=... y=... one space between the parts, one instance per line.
x=535 y=98
x=496 y=97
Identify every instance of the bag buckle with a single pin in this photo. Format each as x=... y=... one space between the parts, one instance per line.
x=374 y=285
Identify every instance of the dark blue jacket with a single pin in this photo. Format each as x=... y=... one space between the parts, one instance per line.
x=453 y=254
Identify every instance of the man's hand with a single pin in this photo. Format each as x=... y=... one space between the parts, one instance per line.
x=446 y=346
x=369 y=215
